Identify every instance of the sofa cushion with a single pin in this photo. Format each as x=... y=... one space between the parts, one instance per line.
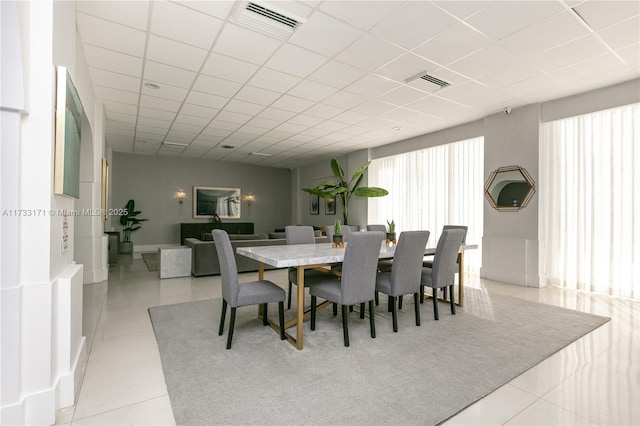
x=277 y=235
x=261 y=236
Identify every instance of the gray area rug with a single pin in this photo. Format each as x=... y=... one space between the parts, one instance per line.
x=151 y=260
x=420 y=375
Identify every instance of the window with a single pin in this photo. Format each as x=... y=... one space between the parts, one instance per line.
x=590 y=202
x=431 y=188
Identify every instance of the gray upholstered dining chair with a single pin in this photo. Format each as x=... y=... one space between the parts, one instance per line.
x=299 y=235
x=404 y=277
x=443 y=272
x=237 y=295
x=356 y=285
x=379 y=228
x=429 y=262
x=346 y=231
x=384 y=265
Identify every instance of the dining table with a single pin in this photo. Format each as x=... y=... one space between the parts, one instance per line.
x=320 y=257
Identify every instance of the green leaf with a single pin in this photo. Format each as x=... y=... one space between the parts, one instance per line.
x=337 y=170
x=360 y=171
x=371 y=192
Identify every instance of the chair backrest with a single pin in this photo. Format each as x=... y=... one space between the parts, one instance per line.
x=228 y=269
x=359 y=267
x=463 y=227
x=300 y=235
x=406 y=269
x=446 y=257
x=379 y=228
x=346 y=231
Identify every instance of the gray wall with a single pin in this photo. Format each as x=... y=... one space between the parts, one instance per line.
x=154 y=181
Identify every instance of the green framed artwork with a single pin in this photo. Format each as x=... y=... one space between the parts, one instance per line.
x=69 y=116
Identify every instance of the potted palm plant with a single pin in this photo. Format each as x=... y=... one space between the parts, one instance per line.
x=344 y=190
x=130 y=222
x=391 y=231
x=338 y=238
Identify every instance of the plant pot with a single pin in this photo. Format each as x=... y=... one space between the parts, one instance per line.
x=391 y=236
x=126 y=247
x=338 y=241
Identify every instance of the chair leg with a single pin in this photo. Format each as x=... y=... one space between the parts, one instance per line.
x=389 y=307
x=362 y=310
x=453 y=304
x=232 y=323
x=372 y=319
x=265 y=321
x=435 y=304
x=377 y=300
x=345 y=324
x=394 y=313
x=313 y=312
x=350 y=308
x=281 y=319
x=289 y=296
x=335 y=309
x=224 y=313
x=444 y=293
x=421 y=293
x=400 y=302
x=416 y=302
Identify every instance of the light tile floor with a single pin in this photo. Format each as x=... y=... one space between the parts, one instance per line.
x=595 y=380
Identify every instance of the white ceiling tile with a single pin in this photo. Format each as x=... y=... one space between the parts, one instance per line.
x=263 y=123
x=325 y=35
x=183 y=118
x=114 y=80
x=399 y=115
x=413 y=23
x=222 y=125
x=216 y=86
x=331 y=125
x=110 y=35
x=544 y=35
x=323 y=111
x=228 y=68
x=350 y=117
x=252 y=130
x=589 y=68
x=312 y=91
x=156 y=113
x=369 y=53
x=437 y=106
x=453 y=43
x=276 y=114
x=622 y=34
x=174 y=53
x=406 y=66
x=460 y=93
x=630 y=54
x=599 y=14
x=345 y=100
x=162 y=73
x=463 y=9
x=373 y=108
x=482 y=61
x=336 y=74
x=243 y=107
x=109 y=60
x=166 y=92
x=132 y=14
x=402 y=96
x=295 y=60
x=198 y=111
x=502 y=18
x=150 y=131
x=569 y=53
x=372 y=85
x=158 y=103
x=120 y=107
x=244 y=44
x=352 y=11
x=510 y=74
x=206 y=100
x=306 y=120
x=291 y=103
x=604 y=79
x=156 y=124
x=532 y=85
x=180 y=23
x=219 y=8
x=291 y=127
x=257 y=95
x=125 y=118
x=274 y=80
x=110 y=94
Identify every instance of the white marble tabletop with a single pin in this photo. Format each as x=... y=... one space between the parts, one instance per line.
x=282 y=256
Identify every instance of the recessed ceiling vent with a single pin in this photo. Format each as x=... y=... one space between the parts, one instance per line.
x=426 y=82
x=266 y=19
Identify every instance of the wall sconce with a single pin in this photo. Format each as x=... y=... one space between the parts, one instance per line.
x=249 y=199
x=181 y=195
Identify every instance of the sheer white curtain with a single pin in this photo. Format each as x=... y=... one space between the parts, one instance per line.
x=590 y=201
x=431 y=188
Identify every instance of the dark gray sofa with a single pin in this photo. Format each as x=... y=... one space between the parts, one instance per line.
x=204 y=256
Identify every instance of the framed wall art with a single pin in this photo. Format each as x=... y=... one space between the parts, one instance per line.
x=330 y=206
x=213 y=200
x=69 y=117
x=314 y=204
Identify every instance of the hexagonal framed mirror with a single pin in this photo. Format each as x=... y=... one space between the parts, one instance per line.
x=509 y=188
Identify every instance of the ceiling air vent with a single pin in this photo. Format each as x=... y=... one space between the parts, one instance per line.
x=426 y=82
x=268 y=20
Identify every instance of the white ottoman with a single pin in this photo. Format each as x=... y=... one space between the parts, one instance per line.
x=174 y=262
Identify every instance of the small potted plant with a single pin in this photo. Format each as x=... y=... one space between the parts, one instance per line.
x=130 y=222
x=338 y=238
x=391 y=232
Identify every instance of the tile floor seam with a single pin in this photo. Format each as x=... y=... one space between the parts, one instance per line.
x=120 y=408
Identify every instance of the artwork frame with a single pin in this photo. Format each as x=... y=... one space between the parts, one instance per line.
x=330 y=206
x=68 y=133
x=314 y=204
x=207 y=202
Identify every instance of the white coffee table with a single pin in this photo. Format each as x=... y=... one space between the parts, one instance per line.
x=174 y=262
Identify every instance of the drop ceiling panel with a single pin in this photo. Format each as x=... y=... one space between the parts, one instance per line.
x=219 y=8
x=198 y=111
x=336 y=74
x=122 y=96
x=369 y=53
x=163 y=73
x=312 y=91
x=407 y=65
x=132 y=14
x=453 y=43
x=120 y=107
x=110 y=35
x=241 y=43
x=570 y=53
x=243 y=107
x=324 y=34
x=216 y=86
x=346 y=100
x=274 y=80
x=175 y=53
x=228 y=68
x=109 y=60
x=186 y=25
x=463 y=9
x=622 y=34
x=372 y=85
x=600 y=14
x=482 y=61
x=114 y=80
x=206 y=100
x=292 y=103
x=257 y=96
x=295 y=60
x=159 y=103
x=402 y=96
x=166 y=91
